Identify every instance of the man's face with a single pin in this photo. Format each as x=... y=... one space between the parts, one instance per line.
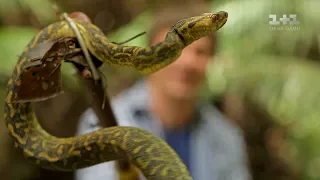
x=182 y=78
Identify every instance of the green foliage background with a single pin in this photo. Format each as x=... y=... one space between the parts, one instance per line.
x=274 y=71
x=250 y=56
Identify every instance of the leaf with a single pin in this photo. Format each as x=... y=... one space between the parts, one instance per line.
x=12 y=42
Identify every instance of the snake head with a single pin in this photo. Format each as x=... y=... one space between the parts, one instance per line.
x=194 y=28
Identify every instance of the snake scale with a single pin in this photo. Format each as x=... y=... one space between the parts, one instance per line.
x=150 y=154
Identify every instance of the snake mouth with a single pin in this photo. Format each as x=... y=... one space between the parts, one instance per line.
x=223 y=22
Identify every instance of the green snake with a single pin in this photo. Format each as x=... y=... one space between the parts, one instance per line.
x=150 y=154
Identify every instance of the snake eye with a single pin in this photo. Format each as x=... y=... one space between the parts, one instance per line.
x=210 y=15
x=71 y=45
x=213 y=17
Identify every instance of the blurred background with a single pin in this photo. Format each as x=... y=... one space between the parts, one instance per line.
x=247 y=45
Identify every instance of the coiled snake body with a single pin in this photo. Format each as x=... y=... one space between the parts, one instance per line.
x=150 y=154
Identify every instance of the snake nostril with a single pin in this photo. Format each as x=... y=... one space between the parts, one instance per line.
x=222 y=14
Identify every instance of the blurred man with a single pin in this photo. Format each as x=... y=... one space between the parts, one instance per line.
x=167 y=104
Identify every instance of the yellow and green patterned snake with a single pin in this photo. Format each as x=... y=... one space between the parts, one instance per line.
x=150 y=154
